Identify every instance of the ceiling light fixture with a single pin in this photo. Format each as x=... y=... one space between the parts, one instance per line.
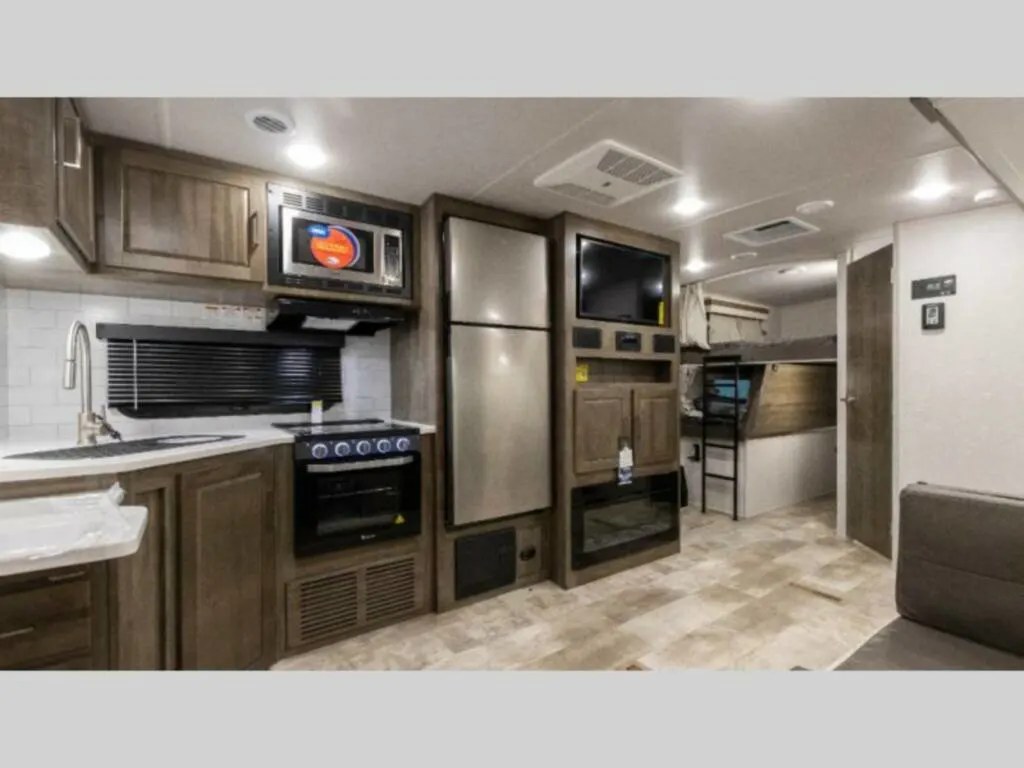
x=743 y=255
x=986 y=194
x=696 y=265
x=689 y=206
x=306 y=155
x=24 y=246
x=932 y=190
x=815 y=206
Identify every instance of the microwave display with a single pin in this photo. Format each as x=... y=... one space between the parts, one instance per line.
x=331 y=246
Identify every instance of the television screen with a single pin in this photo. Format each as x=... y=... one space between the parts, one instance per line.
x=620 y=284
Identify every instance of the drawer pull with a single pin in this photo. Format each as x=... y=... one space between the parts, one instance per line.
x=65 y=577
x=17 y=633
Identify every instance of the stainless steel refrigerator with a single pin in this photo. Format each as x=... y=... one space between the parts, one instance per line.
x=499 y=382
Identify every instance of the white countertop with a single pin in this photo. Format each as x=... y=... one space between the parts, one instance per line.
x=18 y=470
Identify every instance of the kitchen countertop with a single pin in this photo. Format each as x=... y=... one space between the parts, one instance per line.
x=20 y=470
x=17 y=470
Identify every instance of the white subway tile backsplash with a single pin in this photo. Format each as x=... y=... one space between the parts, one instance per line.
x=54 y=300
x=36 y=407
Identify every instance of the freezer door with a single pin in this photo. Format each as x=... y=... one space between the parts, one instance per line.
x=500 y=418
x=496 y=276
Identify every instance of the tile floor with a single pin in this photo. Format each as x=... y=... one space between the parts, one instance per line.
x=774 y=592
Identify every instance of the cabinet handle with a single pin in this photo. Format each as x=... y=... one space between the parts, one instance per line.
x=17 y=633
x=252 y=231
x=76 y=122
x=65 y=577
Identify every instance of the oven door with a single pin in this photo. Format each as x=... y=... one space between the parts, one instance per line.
x=348 y=504
x=326 y=248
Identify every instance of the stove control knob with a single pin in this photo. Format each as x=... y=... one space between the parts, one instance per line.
x=402 y=444
x=383 y=446
x=341 y=450
x=319 y=450
x=363 y=447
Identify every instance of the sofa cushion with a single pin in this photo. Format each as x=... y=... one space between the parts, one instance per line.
x=961 y=564
x=906 y=645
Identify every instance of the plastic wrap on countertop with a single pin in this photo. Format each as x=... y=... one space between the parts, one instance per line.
x=49 y=526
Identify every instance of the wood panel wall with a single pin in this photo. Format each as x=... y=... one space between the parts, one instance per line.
x=793 y=397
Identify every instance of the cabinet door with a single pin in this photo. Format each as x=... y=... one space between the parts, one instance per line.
x=144 y=600
x=75 y=193
x=655 y=425
x=165 y=214
x=602 y=417
x=227 y=564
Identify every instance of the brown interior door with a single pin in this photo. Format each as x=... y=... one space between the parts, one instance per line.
x=602 y=418
x=655 y=421
x=868 y=401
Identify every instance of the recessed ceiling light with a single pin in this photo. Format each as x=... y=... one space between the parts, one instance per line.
x=696 y=265
x=23 y=246
x=932 y=190
x=306 y=155
x=986 y=194
x=689 y=206
x=743 y=255
x=815 y=206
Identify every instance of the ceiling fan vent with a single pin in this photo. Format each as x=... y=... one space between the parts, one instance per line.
x=772 y=232
x=607 y=174
x=268 y=121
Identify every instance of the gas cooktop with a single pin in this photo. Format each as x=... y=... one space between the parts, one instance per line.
x=351 y=439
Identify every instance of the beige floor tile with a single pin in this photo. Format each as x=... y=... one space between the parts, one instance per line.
x=728 y=600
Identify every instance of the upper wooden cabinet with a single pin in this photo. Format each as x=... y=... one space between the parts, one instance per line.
x=655 y=425
x=173 y=215
x=46 y=174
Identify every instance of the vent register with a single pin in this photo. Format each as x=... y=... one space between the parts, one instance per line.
x=155 y=372
x=608 y=174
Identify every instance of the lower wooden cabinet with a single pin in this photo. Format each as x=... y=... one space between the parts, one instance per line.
x=227 y=577
x=200 y=592
x=53 y=619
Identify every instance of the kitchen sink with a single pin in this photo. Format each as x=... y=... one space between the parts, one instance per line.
x=143 y=445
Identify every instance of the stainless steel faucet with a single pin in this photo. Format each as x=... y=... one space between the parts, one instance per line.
x=90 y=425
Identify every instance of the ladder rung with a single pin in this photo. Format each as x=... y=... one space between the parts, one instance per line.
x=721 y=445
x=720 y=477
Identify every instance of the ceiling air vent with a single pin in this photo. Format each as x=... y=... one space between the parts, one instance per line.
x=607 y=174
x=268 y=121
x=772 y=232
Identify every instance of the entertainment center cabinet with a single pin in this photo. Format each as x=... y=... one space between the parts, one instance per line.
x=616 y=365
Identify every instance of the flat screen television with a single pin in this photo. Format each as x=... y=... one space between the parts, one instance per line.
x=620 y=284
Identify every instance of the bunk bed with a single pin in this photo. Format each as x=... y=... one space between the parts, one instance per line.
x=763 y=429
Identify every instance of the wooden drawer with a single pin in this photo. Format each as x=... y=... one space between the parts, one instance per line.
x=45 y=616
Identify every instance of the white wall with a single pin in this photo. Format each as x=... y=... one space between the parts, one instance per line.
x=803 y=321
x=37 y=408
x=960 y=420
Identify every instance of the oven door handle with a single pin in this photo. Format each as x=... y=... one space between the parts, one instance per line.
x=328 y=469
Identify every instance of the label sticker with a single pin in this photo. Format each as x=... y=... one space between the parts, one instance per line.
x=661 y=313
x=625 y=471
x=334 y=247
x=399 y=519
x=582 y=372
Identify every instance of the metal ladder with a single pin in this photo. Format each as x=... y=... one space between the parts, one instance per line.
x=708 y=374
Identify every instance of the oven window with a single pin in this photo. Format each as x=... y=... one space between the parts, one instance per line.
x=332 y=246
x=335 y=510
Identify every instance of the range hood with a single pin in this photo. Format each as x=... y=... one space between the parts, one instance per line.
x=288 y=314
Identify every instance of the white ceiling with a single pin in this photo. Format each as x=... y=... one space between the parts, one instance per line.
x=751 y=160
x=780 y=284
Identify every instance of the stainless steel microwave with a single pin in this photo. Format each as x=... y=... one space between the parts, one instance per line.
x=332 y=244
